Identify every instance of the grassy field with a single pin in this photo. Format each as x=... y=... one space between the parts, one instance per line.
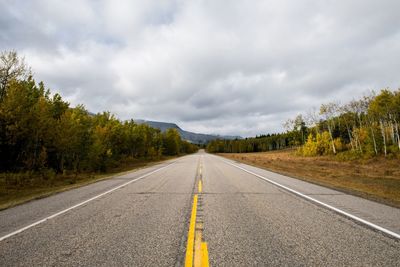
x=376 y=179
x=27 y=187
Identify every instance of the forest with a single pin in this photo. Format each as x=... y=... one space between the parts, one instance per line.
x=40 y=133
x=362 y=128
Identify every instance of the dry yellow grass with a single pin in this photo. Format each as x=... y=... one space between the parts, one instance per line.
x=376 y=179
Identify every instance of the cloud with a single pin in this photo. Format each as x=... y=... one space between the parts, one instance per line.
x=238 y=68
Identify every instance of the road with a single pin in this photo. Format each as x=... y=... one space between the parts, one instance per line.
x=200 y=209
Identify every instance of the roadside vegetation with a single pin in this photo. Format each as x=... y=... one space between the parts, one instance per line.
x=45 y=143
x=353 y=147
x=363 y=128
x=28 y=185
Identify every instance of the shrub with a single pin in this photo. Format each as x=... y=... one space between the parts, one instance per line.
x=310 y=147
x=318 y=146
x=339 y=145
x=323 y=144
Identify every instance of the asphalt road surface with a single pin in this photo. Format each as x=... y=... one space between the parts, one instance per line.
x=222 y=212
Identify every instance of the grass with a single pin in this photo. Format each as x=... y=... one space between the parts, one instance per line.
x=26 y=187
x=376 y=179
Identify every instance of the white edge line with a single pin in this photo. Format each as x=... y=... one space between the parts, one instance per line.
x=80 y=204
x=372 y=225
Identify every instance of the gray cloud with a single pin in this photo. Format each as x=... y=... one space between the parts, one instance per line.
x=241 y=68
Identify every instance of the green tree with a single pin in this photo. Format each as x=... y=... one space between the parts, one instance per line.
x=171 y=142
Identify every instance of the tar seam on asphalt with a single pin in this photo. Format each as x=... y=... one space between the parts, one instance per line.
x=196 y=249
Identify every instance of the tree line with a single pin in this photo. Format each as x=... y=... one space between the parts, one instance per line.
x=40 y=131
x=365 y=127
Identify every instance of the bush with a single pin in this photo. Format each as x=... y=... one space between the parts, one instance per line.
x=17 y=179
x=323 y=144
x=310 y=147
x=340 y=146
x=318 y=146
x=349 y=155
x=48 y=175
x=393 y=149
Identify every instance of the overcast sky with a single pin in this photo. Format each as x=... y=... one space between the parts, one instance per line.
x=225 y=67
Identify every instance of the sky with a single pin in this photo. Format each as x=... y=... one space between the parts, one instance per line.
x=223 y=67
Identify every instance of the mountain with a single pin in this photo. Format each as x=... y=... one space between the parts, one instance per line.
x=196 y=138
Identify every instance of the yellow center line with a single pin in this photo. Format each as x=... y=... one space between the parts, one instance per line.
x=200 y=248
x=190 y=242
x=204 y=253
x=196 y=249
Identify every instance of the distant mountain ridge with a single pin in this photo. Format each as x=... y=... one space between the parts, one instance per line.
x=196 y=138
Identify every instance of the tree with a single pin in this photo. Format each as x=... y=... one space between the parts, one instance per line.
x=40 y=132
x=12 y=67
x=348 y=119
x=396 y=115
x=297 y=129
x=329 y=112
x=381 y=107
x=171 y=142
